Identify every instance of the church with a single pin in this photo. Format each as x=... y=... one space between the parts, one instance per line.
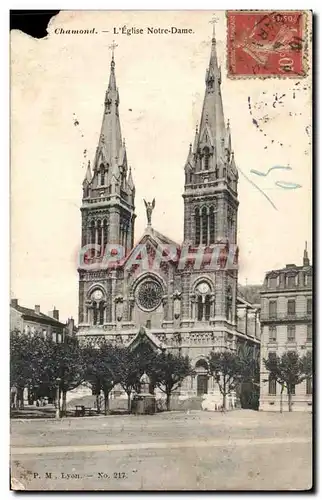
x=160 y=291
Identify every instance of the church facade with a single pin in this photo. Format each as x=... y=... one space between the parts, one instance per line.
x=183 y=297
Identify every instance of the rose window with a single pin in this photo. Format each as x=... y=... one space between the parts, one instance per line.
x=149 y=295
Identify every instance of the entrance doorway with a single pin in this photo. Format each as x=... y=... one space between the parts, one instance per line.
x=202 y=385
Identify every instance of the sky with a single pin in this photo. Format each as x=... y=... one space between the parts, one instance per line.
x=62 y=79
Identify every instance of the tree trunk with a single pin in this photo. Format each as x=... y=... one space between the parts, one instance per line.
x=64 y=404
x=289 y=394
x=106 y=402
x=98 y=403
x=129 y=401
x=224 y=401
x=281 y=399
x=20 y=398
x=168 y=401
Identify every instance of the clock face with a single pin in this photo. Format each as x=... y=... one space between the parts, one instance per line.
x=97 y=295
x=203 y=288
x=149 y=295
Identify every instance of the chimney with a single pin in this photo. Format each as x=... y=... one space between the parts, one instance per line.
x=14 y=302
x=37 y=309
x=70 y=326
x=56 y=313
x=306 y=260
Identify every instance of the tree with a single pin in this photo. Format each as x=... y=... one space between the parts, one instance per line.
x=68 y=366
x=249 y=356
x=30 y=362
x=227 y=369
x=101 y=371
x=289 y=370
x=168 y=372
x=127 y=370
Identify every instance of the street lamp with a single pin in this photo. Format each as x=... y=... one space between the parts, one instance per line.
x=58 y=380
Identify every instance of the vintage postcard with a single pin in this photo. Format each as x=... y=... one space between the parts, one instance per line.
x=161 y=251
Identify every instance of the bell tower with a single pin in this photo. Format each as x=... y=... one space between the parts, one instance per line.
x=108 y=188
x=210 y=195
x=108 y=214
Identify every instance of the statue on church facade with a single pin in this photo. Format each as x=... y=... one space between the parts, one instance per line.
x=149 y=206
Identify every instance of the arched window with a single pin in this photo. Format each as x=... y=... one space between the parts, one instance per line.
x=206 y=158
x=92 y=238
x=199 y=308
x=104 y=234
x=204 y=217
x=197 y=227
x=94 y=313
x=99 y=233
x=211 y=225
x=207 y=307
x=203 y=305
x=102 y=175
x=101 y=313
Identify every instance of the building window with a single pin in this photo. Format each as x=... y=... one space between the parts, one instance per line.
x=101 y=310
x=204 y=218
x=271 y=386
x=272 y=282
x=290 y=333
x=94 y=313
x=44 y=333
x=207 y=307
x=59 y=338
x=197 y=226
x=200 y=308
x=291 y=281
x=211 y=225
x=309 y=333
x=309 y=386
x=272 y=309
x=206 y=158
x=272 y=334
x=104 y=234
x=291 y=307
x=309 y=306
x=102 y=175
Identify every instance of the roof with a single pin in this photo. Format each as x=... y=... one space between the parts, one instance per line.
x=145 y=335
x=31 y=313
x=251 y=293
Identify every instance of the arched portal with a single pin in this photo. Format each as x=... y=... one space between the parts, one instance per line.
x=202 y=377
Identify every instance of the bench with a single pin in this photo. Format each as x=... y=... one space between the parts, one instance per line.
x=82 y=411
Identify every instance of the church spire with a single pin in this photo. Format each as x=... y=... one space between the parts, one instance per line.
x=110 y=142
x=212 y=124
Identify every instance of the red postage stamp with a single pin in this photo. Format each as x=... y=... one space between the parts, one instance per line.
x=266 y=44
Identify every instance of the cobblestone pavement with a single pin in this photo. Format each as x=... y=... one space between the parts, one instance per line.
x=176 y=451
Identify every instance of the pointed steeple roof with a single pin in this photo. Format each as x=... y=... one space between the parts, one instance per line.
x=189 y=162
x=212 y=116
x=88 y=174
x=110 y=142
x=130 y=182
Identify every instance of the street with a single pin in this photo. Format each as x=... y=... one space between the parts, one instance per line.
x=239 y=450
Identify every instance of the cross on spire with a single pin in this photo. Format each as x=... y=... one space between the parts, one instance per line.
x=112 y=47
x=213 y=21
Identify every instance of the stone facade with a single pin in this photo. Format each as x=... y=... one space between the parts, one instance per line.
x=185 y=308
x=286 y=321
